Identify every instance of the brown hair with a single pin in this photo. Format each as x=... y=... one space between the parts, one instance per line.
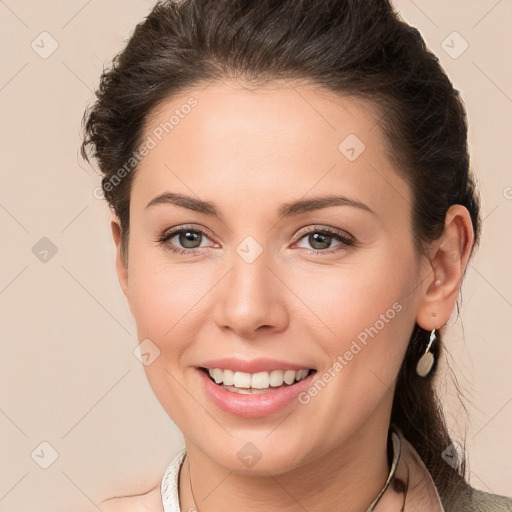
x=352 y=47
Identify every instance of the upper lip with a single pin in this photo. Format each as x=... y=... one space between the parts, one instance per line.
x=252 y=365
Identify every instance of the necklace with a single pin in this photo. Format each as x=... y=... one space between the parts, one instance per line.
x=191 y=490
x=395 y=440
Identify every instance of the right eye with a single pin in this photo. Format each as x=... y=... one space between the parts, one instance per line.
x=187 y=237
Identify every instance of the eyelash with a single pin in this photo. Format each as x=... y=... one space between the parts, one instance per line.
x=347 y=241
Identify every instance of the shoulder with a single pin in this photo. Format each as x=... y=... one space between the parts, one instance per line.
x=462 y=497
x=130 y=501
x=475 y=500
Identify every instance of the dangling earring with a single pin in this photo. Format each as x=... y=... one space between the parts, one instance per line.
x=427 y=359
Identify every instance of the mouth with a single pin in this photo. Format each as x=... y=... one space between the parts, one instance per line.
x=256 y=383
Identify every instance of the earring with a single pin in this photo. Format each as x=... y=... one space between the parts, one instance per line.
x=426 y=361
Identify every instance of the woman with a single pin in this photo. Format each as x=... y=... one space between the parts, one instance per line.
x=293 y=214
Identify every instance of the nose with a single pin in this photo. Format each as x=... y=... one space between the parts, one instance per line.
x=251 y=299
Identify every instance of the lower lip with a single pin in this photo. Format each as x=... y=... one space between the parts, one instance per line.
x=257 y=405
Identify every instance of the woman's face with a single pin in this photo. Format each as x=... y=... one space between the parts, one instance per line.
x=271 y=276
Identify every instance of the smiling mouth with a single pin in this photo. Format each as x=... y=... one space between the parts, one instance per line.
x=255 y=383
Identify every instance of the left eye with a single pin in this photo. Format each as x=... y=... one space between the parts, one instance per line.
x=321 y=238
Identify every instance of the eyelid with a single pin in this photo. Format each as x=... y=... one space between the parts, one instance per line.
x=324 y=229
x=172 y=232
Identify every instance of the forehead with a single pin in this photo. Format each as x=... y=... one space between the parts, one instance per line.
x=285 y=139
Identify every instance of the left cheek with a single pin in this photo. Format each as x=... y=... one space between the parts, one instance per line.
x=351 y=304
x=366 y=322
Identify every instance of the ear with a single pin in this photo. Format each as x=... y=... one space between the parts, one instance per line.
x=121 y=265
x=448 y=257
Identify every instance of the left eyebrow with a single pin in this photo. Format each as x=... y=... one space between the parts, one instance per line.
x=285 y=210
x=317 y=203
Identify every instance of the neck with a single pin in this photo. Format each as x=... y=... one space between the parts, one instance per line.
x=352 y=474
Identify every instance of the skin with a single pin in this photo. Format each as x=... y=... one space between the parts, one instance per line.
x=250 y=151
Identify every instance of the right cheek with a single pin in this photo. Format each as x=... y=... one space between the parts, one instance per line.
x=155 y=313
x=146 y=308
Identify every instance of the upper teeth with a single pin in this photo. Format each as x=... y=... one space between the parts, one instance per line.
x=260 y=380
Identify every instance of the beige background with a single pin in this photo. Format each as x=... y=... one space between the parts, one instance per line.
x=68 y=374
